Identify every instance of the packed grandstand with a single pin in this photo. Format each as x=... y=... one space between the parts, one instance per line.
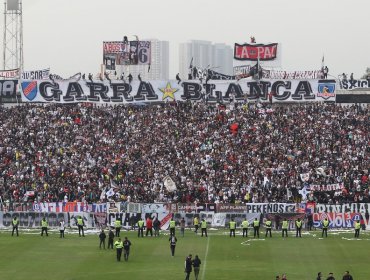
x=185 y=152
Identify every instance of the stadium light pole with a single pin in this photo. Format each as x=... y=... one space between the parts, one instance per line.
x=13 y=36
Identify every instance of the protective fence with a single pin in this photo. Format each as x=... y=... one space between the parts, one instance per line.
x=216 y=215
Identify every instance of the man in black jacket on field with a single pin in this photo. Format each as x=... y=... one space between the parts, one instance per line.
x=110 y=239
x=102 y=237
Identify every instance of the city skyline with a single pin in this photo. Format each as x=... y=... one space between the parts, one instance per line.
x=67 y=35
x=205 y=54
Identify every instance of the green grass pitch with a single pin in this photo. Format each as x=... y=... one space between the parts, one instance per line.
x=31 y=256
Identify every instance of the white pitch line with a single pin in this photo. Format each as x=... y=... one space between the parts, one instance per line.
x=205 y=259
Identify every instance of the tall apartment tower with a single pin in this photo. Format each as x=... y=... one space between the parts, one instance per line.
x=160 y=63
x=218 y=57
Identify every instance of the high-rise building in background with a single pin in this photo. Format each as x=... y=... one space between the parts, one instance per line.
x=218 y=57
x=159 y=66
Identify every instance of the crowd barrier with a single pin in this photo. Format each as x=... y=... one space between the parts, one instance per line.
x=216 y=215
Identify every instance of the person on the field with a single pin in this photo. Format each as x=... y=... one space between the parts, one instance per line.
x=44 y=227
x=188 y=266
x=156 y=226
x=173 y=241
x=268 y=225
x=298 y=226
x=61 y=228
x=118 y=225
x=245 y=225
x=119 y=245
x=182 y=227
x=110 y=239
x=357 y=226
x=102 y=237
x=126 y=248
x=347 y=276
x=80 y=225
x=319 y=276
x=325 y=225
x=203 y=226
x=149 y=227
x=15 y=224
x=196 y=224
x=284 y=228
x=140 y=226
x=196 y=266
x=172 y=226
x=309 y=221
x=232 y=226
x=330 y=276
x=256 y=228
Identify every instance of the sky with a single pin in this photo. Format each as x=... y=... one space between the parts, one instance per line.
x=67 y=35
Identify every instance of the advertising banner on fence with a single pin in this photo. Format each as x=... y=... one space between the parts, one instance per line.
x=270 y=208
x=196 y=208
x=58 y=207
x=156 y=91
x=9 y=74
x=33 y=219
x=223 y=219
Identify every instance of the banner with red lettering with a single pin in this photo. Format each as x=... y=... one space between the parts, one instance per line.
x=9 y=74
x=255 y=52
x=325 y=188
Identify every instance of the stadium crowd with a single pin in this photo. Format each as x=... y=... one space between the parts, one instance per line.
x=241 y=153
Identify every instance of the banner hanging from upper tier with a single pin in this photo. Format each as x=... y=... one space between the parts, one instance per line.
x=36 y=74
x=9 y=74
x=118 y=92
x=8 y=88
x=126 y=53
x=280 y=75
x=255 y=52
x=354 y=84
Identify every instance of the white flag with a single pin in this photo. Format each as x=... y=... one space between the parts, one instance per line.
x=169 y=184
x=305 y=177
x=110 y=192
x=304 y=193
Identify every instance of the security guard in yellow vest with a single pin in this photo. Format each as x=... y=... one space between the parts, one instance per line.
x=298 y=227
x=172 y=227
x=203 y=226
x=15 y=224
x=140 y=230
x=325 y=225
x=268 y=225
x=245 y=225
x=80 y=225
x=284 y=228
x=256 y=228
x=232 y=226
x=119 y=245
x=44 y=227
x=117 y=225
x=196 y=224
x=357 y=228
